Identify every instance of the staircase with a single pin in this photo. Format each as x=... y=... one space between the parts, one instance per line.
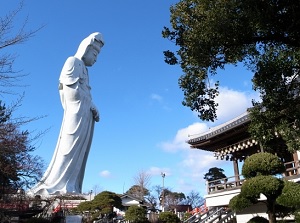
x=216 y=215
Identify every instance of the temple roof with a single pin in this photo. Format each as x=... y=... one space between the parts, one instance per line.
x=218 y=131
x=226 y=139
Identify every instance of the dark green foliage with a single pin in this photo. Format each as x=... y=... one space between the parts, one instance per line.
x=290 y=195
x=214 y=174
x=168 y=217
x=138 y=191
x=297 y=216
x=258 y=219
x=239 y=203
x=262 y=164
x=270 y=186
x=104 y=202
x=136 y=214
x=85 y=206
x=259 y=170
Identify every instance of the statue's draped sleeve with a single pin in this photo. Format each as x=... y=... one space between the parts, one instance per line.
x=70 y=75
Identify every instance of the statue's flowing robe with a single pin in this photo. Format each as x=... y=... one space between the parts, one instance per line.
x=66 y=171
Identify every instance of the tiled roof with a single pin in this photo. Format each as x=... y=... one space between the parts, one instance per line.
x=238 y=121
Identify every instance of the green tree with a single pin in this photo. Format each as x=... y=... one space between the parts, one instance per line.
x=136 y=214
x=261 y=35
x=260 y=172
x=84 y=206
x=138 y=191
x=105 y=201
x=168 y=217
x=102 y=202
x=214 y=174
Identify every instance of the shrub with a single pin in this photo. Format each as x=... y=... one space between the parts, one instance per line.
x=262 y=164
x=258 y=219
x=136 y=214
x=168 y=217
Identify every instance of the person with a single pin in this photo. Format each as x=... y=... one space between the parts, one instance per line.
x=65 y=172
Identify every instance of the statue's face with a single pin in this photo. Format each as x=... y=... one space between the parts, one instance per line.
x=90 y=56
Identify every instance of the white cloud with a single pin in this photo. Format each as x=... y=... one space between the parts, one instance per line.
x=179 y=141
x=105 y=173
x=156 y=97
x=156 y=171
x=160 y=100
x=233 y=103
x=195 y=163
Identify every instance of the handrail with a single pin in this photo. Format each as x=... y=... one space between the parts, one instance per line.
x=230 y=214
x=197 y=215
x=216 y=214
x=292 y=170
x=227 y=183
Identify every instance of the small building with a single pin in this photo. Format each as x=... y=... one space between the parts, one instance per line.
x=127 y=201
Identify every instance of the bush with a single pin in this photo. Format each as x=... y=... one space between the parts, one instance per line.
x=290 y=195
x=268 y=185
x=136 y=214
x=168 y=217
x=238 y=203
x=258 y=219
x=262 y=164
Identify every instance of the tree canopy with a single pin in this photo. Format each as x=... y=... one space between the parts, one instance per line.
x=136 y=214
x=105 y=201
x=264 y=36
x=168 y=217
x=214 y=174
x=138 y=191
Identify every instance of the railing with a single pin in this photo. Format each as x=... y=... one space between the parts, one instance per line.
x=198 y=213
x=228 y=217
x=214 y=215
x=292 y=171
x=229 y=183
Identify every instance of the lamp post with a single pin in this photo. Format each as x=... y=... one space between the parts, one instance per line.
x=91 y=191
x=163 y=192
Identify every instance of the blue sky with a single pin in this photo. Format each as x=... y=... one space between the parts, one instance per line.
x=143 y=125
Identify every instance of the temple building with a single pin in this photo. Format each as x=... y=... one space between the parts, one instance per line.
x=232 y=142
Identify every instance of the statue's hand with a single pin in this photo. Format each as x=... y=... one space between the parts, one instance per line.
x=95 y=113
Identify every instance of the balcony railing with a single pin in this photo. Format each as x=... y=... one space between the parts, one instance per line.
x=292 y=171
x=225 y=184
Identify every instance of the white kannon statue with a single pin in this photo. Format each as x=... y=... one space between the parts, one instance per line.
x=65 y=172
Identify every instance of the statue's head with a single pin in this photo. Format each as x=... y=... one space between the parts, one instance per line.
x=90 y=46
